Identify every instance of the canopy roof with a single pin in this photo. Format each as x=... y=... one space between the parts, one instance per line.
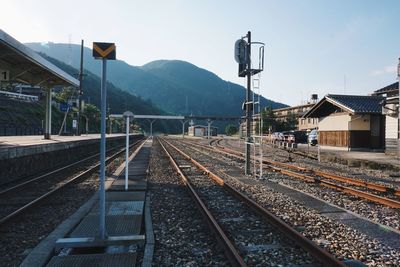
x=27 y=66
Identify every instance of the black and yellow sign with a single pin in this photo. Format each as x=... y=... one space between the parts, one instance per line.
x=104 y=50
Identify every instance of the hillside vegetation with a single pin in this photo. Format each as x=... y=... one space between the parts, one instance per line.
x=175 y=86
x=118 y=101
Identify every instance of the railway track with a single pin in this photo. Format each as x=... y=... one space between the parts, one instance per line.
x=377 y=193
x=37 y=189
x=389 y=190
x=249 y=236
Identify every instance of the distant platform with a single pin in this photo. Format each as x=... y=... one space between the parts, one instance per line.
x=28 y=140
x=18 y=146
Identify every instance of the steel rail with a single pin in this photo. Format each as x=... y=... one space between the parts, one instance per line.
x=320 y=254
x=61 y=186
x=348 y=180
x=230 y=251
x=375 y=198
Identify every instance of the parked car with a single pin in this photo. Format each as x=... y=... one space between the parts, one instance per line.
x=313 y=137
x=300 y=136
x=277 y=136
x=289 y=137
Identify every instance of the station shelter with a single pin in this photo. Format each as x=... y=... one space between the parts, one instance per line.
x=350 y=122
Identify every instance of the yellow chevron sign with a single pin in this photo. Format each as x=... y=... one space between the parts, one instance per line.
x=104 y=50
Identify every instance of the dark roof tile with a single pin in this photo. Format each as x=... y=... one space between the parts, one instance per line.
x=358 y=103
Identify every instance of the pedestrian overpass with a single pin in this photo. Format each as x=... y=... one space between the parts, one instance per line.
x=183 y=119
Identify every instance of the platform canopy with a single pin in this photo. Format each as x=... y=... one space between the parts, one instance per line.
x=22 y=64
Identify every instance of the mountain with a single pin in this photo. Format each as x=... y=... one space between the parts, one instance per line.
x=175 y=86
x=118 y=101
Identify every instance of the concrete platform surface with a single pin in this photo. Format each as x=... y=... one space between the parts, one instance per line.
x=20 y=146
x=28 y=140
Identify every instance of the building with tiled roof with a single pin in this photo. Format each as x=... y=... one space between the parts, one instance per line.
x=349 y=121
x=390 y=108
x=388 y=91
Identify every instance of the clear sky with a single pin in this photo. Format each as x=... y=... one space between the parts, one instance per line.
x=312 y=46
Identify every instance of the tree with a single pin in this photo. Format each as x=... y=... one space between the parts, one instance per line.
x=291 y=122
x=65 y=94
x=230 y=129
x=269 y=120
x=92 y=114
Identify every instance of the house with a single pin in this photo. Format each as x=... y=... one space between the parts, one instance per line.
x=201 y=130
x=284 y=114
x=350 y=122
x=390 y=109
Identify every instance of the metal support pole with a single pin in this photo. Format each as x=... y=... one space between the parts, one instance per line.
x=398 y=115
x=209 y=128
x=102 y=194
x=87 y=125
x=261 y=148
x=151 y=127
x=248 y=105
x=183 y=128
x=239 y=129
x=47 y=132
x=127 y=154
x=78 y=128
x=110 y=124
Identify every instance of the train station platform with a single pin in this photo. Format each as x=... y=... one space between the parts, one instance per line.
x=17 y=146
x=365 y=159
x=21 y=156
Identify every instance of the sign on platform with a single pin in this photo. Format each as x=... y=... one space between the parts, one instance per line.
x=74 y=124
x=4 y=75
x=104 y=50
x=64 y=107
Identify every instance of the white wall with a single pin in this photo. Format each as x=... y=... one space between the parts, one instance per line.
x=360 y=122
x=334 y=123
x=344 y=122
x=391 y=127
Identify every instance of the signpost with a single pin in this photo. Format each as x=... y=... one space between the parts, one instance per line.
x=103 y=51
x=127 y=115
x=64 y=107
x=4 y=75
x=74 y=124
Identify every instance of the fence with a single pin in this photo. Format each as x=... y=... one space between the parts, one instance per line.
x=10 y=130
x=29 y=98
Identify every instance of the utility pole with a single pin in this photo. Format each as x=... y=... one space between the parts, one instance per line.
x=248 y=105
x=80 y=93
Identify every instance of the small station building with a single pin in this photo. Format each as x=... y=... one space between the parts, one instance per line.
x=390 y=109
x=350 y=122
x=201 y=130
